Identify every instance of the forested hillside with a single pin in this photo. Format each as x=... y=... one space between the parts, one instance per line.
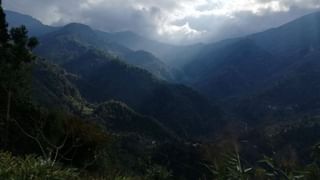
x=72 y=130
x=79 y=103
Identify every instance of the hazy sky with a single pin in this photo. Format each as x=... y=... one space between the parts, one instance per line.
x=174 y=21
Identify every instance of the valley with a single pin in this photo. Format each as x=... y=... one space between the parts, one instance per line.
x=123 y=105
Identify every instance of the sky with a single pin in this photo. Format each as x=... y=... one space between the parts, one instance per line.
x=171 y=21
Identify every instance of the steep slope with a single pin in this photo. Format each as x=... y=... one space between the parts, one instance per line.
x=296 y=37
x=246 y=66
x=289 y=92
x=122 y=44
x=117 y=117
x=233 y=70
x=53 y=90
x=291 y=97
x=74 y=38
x=34 y=26
x=102 y=78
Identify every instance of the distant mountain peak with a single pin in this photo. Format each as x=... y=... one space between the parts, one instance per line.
x=77 y=27
x=13 y=18
x=34 y=26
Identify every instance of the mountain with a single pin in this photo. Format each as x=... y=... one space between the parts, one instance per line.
x=233 y=70
x=117 y=117
x=294 y=92
x=294 y=96
x=74 y=38
x=132 y=48
x=137 y=42
x=101 y=78
x=297 y=37
x=106 y=110
x=53 y=89
x=172 y=55
x=243 y=67
x=34 y=26
x=84 y=35
x=96 y=72
x=268 y=77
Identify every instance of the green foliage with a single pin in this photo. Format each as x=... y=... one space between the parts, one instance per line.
x=231 y=168
x=274 y=171
x=32 y=167
x=15 y=58
x=52 y=88
x=66 y=138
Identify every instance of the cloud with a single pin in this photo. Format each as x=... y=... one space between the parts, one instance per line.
x=176 y=21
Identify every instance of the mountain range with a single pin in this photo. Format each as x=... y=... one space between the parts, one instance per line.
x=151 y=109
x=265 y=73
x=83 y=67
x=276 y=69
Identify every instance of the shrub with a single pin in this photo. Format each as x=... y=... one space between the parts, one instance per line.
x=32 y=167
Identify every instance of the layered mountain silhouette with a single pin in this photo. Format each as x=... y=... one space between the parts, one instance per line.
x=269 y=72
x=90 y=70
x=133 y=106
x=76 y=34
x=275 y=70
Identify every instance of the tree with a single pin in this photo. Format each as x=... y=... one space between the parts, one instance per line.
x=4 y=36
x=15 y=60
